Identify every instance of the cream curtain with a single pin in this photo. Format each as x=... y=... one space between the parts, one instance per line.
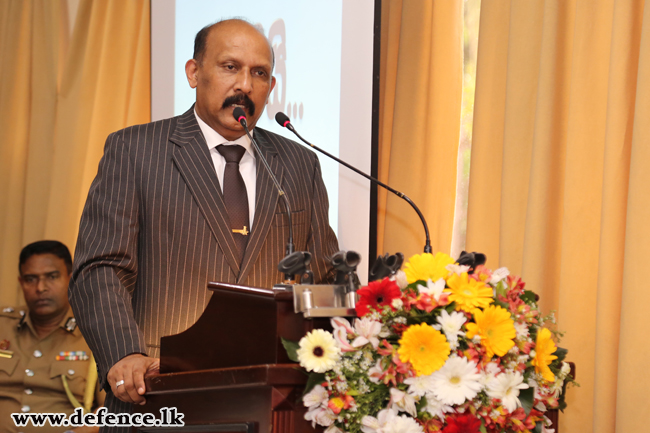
x=60 y=96
x=419 y=110
x=559 y=189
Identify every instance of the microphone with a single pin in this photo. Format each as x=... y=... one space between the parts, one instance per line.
x=240 y=116
x=284 y=121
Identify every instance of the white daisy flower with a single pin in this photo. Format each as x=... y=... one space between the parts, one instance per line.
x=318 y=351
x=451 y=324
x=402 y=424
x=506 y=388
x=489 y=373
x=436 y=408
x=456 y=381
x=419 y=385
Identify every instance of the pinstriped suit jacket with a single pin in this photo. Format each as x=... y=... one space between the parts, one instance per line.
x=154 y=232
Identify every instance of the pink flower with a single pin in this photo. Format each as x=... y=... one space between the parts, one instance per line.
x=342 y=332
x=367 y=331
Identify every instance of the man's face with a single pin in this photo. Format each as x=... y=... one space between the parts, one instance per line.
x=235 y=71
x=44 y=279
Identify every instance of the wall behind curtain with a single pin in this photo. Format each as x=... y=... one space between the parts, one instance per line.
x=60 y=96
x=558 y=188
x=420 y=103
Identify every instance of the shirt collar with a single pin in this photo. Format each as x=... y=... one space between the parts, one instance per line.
x=213 y=138
x=65 y=322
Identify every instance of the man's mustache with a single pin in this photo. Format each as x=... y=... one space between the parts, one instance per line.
x=240 y=99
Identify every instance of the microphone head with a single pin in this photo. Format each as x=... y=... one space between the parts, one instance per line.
x=239 y=115
x=282 y=119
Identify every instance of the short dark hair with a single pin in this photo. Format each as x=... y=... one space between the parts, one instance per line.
x=46 y=247
x=202 y=37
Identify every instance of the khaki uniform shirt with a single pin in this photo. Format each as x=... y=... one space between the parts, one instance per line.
x=30 y=379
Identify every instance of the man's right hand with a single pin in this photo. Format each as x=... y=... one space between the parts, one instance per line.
x=132 y=369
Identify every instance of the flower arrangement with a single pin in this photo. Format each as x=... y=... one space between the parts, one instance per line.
x=437 y=347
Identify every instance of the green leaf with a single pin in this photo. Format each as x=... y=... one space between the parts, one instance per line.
x=421 y=404
x=502 y=304
x=561 y=354
x=526 y=397
x=292 y=349
x=482 y=427
x=528 y=296
x=314 y=379
x=501 y=288
x=538 y=427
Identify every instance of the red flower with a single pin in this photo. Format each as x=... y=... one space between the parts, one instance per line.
x=465 y=423
x=377 y=294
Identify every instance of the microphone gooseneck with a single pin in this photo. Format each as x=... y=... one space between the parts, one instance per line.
x=284 y=121
x=240 y=116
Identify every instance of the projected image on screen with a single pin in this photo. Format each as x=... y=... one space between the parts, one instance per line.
x=307 y=68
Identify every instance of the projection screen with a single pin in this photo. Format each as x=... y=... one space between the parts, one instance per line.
x=325 y=51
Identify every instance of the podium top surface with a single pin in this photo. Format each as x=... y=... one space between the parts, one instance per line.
x=258 y=375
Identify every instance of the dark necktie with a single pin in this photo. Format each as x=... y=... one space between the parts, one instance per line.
x=235 y=196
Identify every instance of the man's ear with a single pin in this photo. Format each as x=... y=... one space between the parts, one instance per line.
x=271 y=89
x=191 y=70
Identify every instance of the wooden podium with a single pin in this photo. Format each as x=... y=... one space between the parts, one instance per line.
x=229 y=372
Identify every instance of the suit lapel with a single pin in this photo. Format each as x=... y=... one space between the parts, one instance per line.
x=193 y=160
x=266 y=201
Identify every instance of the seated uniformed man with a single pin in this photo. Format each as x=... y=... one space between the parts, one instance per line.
x=45 y=364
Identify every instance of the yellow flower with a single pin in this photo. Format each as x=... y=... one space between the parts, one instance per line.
x=424 y=347
x=544 y=349
x=467 y=293
x=427 y=267
x=496 y=329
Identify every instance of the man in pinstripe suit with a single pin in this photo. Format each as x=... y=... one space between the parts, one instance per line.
x=155 y=228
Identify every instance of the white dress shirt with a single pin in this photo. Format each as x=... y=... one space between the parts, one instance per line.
x=247 y=166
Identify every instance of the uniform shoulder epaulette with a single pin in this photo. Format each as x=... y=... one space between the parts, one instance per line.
x=12 y=312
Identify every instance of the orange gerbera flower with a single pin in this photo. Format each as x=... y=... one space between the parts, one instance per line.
x=424 y=347
x=423 y=267
x=544 y=350
x=467 y=293
x=496 y=329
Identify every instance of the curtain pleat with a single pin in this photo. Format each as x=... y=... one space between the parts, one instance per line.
x=60 y=96
x=555 y=186
x=420 y=104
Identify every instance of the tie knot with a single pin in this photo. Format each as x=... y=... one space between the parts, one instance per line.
x=232 y=153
